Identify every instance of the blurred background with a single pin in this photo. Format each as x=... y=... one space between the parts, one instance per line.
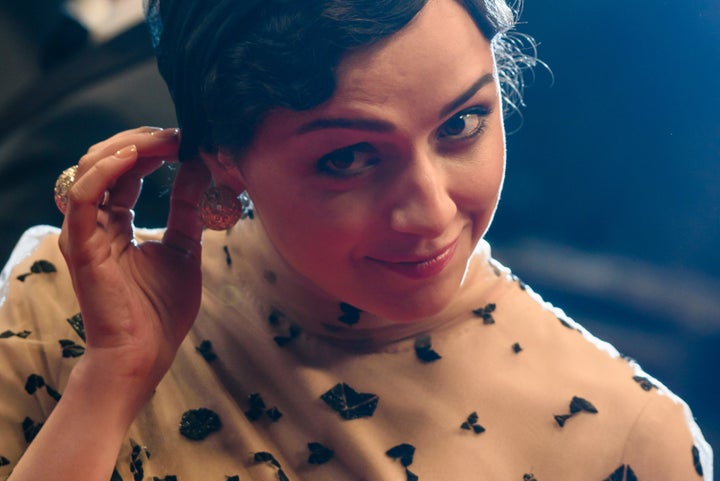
x=611 y=208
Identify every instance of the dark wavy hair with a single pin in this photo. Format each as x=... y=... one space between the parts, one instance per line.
x=229 y=62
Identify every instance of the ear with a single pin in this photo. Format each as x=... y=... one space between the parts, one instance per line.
x=224 y=168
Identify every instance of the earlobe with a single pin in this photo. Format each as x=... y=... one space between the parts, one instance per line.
x=224 y=169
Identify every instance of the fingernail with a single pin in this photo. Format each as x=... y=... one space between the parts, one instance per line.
x=126 y=152
x=165 y=133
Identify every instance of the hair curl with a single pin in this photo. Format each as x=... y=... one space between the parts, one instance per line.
x=228 y=62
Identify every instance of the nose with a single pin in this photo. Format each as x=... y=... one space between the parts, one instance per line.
x=423 y=203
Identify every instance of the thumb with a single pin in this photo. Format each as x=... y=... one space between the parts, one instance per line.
x=184 y=227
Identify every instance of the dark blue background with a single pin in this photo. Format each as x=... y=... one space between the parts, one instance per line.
x=612 y=201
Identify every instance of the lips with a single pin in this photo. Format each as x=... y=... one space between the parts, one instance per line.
x=420 y=267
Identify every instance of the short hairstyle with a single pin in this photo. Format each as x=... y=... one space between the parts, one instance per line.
x=228 y=62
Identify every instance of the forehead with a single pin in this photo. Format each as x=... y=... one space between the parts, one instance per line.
x=441 y=47
x=405 y=79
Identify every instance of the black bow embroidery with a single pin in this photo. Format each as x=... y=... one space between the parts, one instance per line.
x=623 y=473
x=471 y=424
x=265 y=457
x=38 y=267
x=293 y=333
x=405 y=453
x=319 y=454
x=136 y=461
x=567 y=324
x=30 y=429
x=21 y=334
x=424 y=350
x=205 y=349
x=349 y=403
x=277 y=319
x=577 y=405
x=228 y=257
x=197 y=424
x=644 y=383
x=76 y=322
x=350 y=314
x=71 y=349
x=35 y=382
x=257 y=409
x=486 y=314
x=696 y=460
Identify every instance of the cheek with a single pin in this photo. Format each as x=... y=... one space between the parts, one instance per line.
x=478 y=185
x=480 y=179
x=310 y=233
x=494 y=169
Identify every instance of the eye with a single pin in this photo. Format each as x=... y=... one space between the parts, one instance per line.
x=464 y=125
x=349 y=161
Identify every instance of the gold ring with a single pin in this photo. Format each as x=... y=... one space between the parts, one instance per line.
x=62 y=187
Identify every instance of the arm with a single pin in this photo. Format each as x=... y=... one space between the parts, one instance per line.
x=138 y=302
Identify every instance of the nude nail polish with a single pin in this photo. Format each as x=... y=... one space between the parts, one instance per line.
x=126 y=152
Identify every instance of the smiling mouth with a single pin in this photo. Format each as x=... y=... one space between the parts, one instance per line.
x=421 y=268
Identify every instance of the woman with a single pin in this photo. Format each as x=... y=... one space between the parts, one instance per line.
x=353 y=325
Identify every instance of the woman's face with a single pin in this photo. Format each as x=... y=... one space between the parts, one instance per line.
x=378 y=197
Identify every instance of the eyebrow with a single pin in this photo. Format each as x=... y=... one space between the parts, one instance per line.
x=381 y=126
x=370 y=125
x=467 y=95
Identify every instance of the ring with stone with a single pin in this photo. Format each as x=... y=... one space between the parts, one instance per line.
x=62 y=186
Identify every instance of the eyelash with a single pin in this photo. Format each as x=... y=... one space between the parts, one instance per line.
x=479 y=111
x=324 y=163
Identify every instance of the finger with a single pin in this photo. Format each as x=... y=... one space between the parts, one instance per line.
x=126 y=189
x=184 y=229
x=165 y=145
x=120 y=137
x=81 y=220
x=104 y=142
x=150 y=143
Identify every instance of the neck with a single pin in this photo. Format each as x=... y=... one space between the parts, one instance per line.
x=296 y=303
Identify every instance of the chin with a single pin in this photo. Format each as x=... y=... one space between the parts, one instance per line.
x=414 y=307
x=413 y=303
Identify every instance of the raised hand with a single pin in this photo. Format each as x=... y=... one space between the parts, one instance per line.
x=138 y=300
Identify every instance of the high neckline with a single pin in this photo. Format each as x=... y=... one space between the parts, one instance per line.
x=244 y=258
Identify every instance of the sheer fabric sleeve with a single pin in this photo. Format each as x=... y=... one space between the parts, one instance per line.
x=666 y=444
x=38 y=343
